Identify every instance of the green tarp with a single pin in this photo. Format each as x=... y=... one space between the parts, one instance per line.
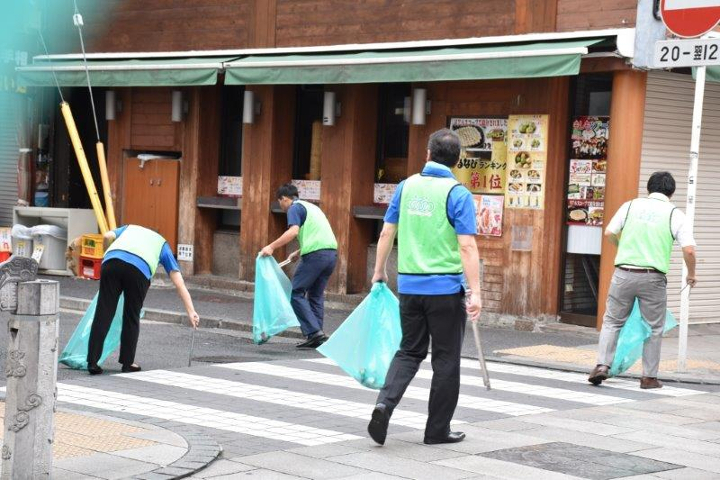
x=529 y=60
x=124 y=73
x=712 y=74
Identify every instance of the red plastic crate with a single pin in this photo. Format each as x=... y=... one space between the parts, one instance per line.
x=90 y=267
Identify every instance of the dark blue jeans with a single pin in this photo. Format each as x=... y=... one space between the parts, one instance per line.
x=308 y=294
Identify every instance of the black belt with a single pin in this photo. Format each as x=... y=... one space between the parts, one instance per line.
x=640 y=270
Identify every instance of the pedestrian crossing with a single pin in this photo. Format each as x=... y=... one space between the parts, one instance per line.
x=313 y=402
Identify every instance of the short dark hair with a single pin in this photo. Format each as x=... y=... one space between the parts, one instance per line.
x=444 y=146
x=661 y=182
x=288 y=190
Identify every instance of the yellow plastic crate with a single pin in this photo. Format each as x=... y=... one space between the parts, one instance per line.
x=92 y=246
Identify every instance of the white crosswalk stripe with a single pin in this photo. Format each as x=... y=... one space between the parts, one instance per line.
x=519 y=387
x=200 y=416
x=464 y=401
x=613 y=383
x=275 y=396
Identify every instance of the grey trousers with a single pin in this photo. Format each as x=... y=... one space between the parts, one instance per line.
x=651 y=291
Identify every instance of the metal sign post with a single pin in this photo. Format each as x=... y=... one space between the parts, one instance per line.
x=690 y=211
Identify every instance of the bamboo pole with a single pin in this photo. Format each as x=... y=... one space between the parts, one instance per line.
x=84 y=168
x=109 y=209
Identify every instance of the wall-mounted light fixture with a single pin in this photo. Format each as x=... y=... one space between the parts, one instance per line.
x=407 y=109
x=113 y=106
x=420 y=106
x=331 y=108
x=179 y=106
x=251 y=107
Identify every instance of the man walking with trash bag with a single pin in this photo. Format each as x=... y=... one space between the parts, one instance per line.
x=132 y=254
x=318 y=253
x=434 y=217
x=644 y=230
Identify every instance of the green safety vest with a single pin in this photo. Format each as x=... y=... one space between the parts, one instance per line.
x=142 y=242
x=427 y=242
x=647 y=238
x=316 y=233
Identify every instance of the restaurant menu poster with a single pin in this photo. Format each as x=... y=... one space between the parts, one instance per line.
x=483 y=159
x=229 y=186
x=489 y=211
x=308 y=189
x=588 y=168
x=384 y=193
x=526 y=161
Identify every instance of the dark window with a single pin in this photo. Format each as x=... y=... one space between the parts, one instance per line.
x=231 y=128
x=308 y=132
x=393 y=132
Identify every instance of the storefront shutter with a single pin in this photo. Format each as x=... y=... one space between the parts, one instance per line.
x=666 y=146
x=8 y=156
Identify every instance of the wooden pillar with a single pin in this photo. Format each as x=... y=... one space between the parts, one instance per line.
x=118 y=141
x=348 y=171
x=627 y=114
x=267 y=164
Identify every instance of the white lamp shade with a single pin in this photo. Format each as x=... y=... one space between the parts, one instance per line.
x=177 y=106
x=418 y=106
x=249 y=107
x=329 y=109
x=110 y=105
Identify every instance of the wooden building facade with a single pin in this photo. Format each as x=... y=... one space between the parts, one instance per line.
x=521 y=282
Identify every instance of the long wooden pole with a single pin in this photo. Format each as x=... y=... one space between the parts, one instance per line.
x=109 y=209
x=84 y=168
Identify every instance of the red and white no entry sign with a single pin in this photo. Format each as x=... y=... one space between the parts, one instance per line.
x=690 y=18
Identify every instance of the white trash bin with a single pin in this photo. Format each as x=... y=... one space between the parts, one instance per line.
x=54 y=242
x=22 y=241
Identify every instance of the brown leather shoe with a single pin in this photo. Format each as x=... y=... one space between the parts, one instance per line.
x=650 y=382
x=598 y=375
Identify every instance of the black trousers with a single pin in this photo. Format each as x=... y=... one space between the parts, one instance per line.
x=118 y=277
x=425 y=318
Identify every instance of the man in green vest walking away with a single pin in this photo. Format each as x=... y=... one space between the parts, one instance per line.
x=435 y=219
x=318 y=252
x=644 y=230
x=132 y=255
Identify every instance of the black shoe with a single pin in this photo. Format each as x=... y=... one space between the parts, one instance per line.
x=313 y=341
x=94 y=369
x=131 y=368
x=377 y=428
x=451 y=437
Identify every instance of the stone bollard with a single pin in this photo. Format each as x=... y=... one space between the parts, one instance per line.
x=31 y=372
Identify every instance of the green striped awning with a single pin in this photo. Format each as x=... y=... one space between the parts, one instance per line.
x=496 y=61
x=155 y=72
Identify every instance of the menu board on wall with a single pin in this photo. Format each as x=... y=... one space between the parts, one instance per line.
x=586 y=185
x=489 y=214
x=526 y=161
x=483 y=159
x=308 y=189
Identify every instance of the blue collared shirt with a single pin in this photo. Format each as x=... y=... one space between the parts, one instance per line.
x=462 y=216
x=167 y=260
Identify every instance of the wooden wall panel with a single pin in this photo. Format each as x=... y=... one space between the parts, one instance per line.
x=118 y=140
x=594 y=15
x=348 y=160
x=323 y=22
x=520 y=283
x=535 y=16
x=151 y=125
x=267 y=163
x=158 y=25
x=627 y=111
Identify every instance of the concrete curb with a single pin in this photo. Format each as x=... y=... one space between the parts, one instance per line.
x=202 y=451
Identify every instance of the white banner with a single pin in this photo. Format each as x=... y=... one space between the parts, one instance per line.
x=686 y=4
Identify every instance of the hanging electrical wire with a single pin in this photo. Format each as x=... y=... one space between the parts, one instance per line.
x=57 y=83
x=78 y=21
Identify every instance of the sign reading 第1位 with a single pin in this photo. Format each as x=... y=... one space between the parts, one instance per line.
x=690 y=18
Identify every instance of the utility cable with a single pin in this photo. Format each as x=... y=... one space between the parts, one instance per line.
x=52 y=69
x=78 y=21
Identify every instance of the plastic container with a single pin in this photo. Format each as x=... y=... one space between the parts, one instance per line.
x=92 y=246
x=54 y=241
x=22 y=241
x=90 y=267
x=42 y=199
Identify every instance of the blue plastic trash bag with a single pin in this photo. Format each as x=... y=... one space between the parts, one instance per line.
x=75 y=353
x=633 y=336
x=272 y=312
x=366 y=342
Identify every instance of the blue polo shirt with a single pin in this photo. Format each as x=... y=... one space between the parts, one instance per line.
x=296 y=214
x=167 y=260
x=462 y=216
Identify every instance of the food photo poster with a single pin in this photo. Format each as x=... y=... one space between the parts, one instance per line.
x=588 y=169
x=483 y=158
x=526 y=161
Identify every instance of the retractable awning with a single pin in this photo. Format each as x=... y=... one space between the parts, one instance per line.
x=496 y=61
x=151 y=72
